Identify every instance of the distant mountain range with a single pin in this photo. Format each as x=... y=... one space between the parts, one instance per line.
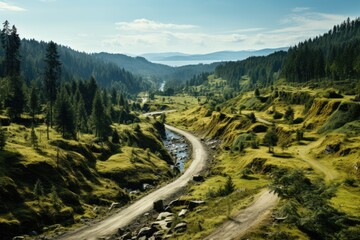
x=215 y=56
x=143 y=65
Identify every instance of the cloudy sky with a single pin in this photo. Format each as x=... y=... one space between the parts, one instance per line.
x=189 y=26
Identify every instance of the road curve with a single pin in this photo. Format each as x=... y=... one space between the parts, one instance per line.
x=145 y=204
x=246 y=218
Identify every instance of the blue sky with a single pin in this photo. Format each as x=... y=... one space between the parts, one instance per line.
x=189 y=26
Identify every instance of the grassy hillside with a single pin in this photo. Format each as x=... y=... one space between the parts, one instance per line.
x=326 y=153
x=68 y=182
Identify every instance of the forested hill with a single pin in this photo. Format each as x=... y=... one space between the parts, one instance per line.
x=157 y=72
x=334 y=55
x=76 y=65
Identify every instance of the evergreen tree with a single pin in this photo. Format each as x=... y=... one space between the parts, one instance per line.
x=289 y=114
x=100 y=119
x=81 y=117
x=115 y=137
x=271 y=139
x=52 y=76
x=34 y=103
x=257 y=92
x=64 y=114
x=33 y=137
x=14 y=96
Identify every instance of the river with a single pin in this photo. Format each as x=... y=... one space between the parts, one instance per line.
x=178 y=148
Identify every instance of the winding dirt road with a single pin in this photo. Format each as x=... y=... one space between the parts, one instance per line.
x=126 y=216
x=304 y=154
x=246 y=218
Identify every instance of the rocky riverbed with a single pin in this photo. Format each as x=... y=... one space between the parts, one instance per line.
x=178 y=148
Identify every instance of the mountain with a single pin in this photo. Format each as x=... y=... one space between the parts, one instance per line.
x=215 y=56
x=76 y=65
x=160 y=56
x=154 y=71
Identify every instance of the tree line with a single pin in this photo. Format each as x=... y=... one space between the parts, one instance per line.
x=75 y=65
x=73 y=106
x=334 y=55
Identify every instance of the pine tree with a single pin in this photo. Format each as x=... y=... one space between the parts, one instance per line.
x=81 y=117
x=257 y=92
x=33 y=138
x=52 y=76
x=100 y=119
x=64 y=114
x=271 y=139
x=115 y=137
x=289 y=114
x=38 y=190
x=34 y=103
x=14 y=97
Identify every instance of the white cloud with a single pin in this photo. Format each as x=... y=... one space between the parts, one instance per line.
x=300 y=9
x=8 y=7
x=144 y=35
x=308 y=23
x=146 y=25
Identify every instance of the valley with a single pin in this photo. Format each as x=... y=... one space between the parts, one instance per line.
x=263 y=144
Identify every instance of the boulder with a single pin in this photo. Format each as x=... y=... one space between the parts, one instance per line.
x=163 y=224
x=194 y=204
x=182 y=213
x=181 y=227
x=126 y=236
x=178 y=202
x=18 y=238
x=198 y=178
x=159 y=205
x=164 y=215
x=146 y=232
x=147 y=186
x=114 y=205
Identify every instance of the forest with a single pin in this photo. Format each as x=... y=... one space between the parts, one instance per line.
x=334 y=55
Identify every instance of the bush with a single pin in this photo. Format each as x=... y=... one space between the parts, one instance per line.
x=277 y=115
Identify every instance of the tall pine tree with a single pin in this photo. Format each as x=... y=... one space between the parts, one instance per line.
x=64 y=114
x=14 y=96
x=100 y=119
x=52 y=76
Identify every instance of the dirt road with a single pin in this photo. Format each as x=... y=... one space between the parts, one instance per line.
x=129 y=214
x=304 y=154
x=246 y=218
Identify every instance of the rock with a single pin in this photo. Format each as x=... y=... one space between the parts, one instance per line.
x=142 y=238
x=146 y=214
x=158 y=235
x=114 y=205
x=198 y=178
x=181 y=227
x=164 y=215
x=332 y=148
x=163 y=224
x=146 y=232
x=126 y=236
x=182 y=213
x=159 y=205
x=178 y=202
x=120 y=231
x=194 y=204
x=147 y=186
x=18 y=238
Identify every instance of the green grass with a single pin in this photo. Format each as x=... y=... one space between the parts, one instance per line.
x=347 y=200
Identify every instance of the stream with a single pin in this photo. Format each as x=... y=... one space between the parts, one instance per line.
x=178 y=148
